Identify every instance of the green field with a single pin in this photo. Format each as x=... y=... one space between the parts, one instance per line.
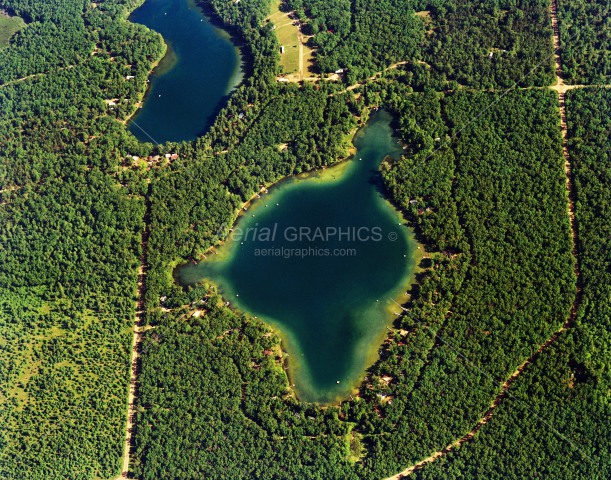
x=8 y=27
x=288 y=37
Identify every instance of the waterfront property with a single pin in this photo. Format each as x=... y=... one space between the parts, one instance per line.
x=321 y=259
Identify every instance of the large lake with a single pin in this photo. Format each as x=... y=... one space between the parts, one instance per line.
x=190 y=84
x=322 y=259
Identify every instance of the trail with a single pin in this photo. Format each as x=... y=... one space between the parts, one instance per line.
x=41 y=74
x=139 y=330
x=372 y=78
x=497 y=401
x=561 y=88
x=300 y=56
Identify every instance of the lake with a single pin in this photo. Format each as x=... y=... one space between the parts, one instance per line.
x=192 y=81
x=322 y=259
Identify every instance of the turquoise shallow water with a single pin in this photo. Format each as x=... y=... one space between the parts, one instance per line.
x=192 y=82
x=327 y=293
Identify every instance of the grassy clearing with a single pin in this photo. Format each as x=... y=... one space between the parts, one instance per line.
x=288 y=37
x=297 y=59
x=8 y=27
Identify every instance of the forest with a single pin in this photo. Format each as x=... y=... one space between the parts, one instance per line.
x=491 y=44
x=482 y=183
x=560 y=404
x=468 y=43
x=70 y=238
x=492 y=235
x=375 y=34
x=585 y=36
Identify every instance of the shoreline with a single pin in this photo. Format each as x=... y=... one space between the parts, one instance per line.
x=342 y=163
x=138 y=106
x=158 y=68
x=288 y=344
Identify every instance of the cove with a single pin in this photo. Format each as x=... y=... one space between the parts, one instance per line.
x=322 y=259
x=186 y=90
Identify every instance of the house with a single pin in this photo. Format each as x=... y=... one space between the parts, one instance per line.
x=341 y=70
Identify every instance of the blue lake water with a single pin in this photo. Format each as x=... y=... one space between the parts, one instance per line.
x=201 y=68
x=329 y=294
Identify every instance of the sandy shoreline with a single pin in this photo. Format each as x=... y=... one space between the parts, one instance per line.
x=290 y=346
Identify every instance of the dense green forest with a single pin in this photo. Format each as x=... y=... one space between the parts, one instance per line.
x=363 y=36
x=585 y=37
x=492 y=44
x=472 y=43
x=482 y=182
x=70 y=237
x=502 y=236
x=555 y=425
x=493 y=237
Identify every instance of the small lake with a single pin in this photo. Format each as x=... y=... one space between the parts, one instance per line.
x=322 y=259
x=202 y=66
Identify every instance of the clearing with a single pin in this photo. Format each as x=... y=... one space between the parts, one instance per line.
x=8 y=27
x=296 y=57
